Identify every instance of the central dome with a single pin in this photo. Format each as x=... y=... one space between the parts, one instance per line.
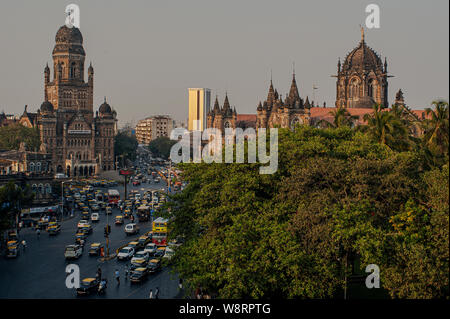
x=69 y=40
x=105 y=108
x=362 y=57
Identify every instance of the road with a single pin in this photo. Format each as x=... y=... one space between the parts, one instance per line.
x=39 y=271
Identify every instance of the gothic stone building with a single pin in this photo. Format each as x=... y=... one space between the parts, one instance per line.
x=81 y=143
x=362 y=79
x=222 y=117
x=286 y=114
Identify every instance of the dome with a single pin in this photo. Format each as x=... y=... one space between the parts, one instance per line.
x=69 y=35
x=69 y=40
x=47 y=107
x=362 y=57
x=105 y=108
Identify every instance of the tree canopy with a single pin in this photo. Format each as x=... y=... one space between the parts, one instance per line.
x=12 y=135
x=161 y=146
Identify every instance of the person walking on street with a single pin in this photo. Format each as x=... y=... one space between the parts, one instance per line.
x=38 y=232
x=157 y=293
x=117 y=277
x=180 y=283
x=99 y=274
x=151 y=294
x=24 y=244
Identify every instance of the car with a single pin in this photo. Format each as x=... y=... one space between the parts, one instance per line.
x=73 y=251
x=12 y=249
x=77 y=195
x=138 y=263
x=150 y=248
x=125 y=253
x=108 y=210
x=53 y=228
x=85 y=215
x=95 y=207
x=80 y=238
x=140 y=255
x=168 y=253
x=95 y=217
x=159 y=253
x=154 y=265
x=95 y=249
x=139 y=274
x=143 y=240
x=131 y=229
x=87 y=286
x=119 y=220
x=82 y=222
x=133 y=244
x=86 y=228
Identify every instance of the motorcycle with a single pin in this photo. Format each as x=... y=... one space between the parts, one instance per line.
x=102 y=286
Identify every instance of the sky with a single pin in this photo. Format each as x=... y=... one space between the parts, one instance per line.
x=146 y=54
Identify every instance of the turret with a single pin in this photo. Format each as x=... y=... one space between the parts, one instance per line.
x=91 y=75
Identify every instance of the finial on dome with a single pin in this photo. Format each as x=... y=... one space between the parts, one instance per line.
x=362 y=33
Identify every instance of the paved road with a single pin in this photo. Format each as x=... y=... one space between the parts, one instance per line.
x=39 y=272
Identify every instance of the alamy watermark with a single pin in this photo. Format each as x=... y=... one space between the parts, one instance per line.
x=212 y=152
x=72 y=12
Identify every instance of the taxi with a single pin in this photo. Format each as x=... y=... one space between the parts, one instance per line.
x=160 y=252
x=80 y=238
x=87 y=286
x=12 y=249
x=85 y=228
x=85 y=214
x=138 y=274
x=95 y=249
x=154 y=265
x=138 y=263
x=42 y=224
x=119 y=220
x=127 y=213
x=143 y=240
x=133 y=244
x=53 y=228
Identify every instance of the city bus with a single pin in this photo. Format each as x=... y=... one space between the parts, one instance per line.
x=159 y=228
x=113 y=196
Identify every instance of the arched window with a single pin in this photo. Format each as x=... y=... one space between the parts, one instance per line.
x=72 y=70
x=31 y=167
x=48 y=188
x=371 y=88
x=354 y=89
x=38 y=166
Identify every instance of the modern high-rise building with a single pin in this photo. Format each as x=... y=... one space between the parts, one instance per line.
x=153 y=127
x=199 y=106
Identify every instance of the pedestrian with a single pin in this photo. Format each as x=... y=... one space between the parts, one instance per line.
x=118 y=276
x=38 y=232
x=99 y=274
x=157 y=293
x=151 y=294
x=180 y=283
x=24 y=244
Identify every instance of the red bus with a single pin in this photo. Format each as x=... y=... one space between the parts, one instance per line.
x=113 y=196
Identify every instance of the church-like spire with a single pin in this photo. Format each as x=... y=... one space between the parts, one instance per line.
x=226 y=103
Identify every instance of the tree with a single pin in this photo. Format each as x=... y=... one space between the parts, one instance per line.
x=12 y=136
x=125 y=146
x=161 y=146
x=341 y=117
x=12 y=198
x=437 y=128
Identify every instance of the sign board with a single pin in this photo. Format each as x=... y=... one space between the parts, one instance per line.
x=79 y=131
x=126 y=172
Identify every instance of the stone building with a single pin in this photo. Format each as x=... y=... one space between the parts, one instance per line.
x=80 y=143
x=222 y=117
x=286 y=114
x=362 y=79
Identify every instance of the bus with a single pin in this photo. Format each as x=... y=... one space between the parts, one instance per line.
x=113 y=196
x=143 y=213
x=159 y=228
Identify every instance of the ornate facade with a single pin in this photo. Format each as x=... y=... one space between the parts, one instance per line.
x=286 y=114
x=362 y=79
x=81 y=143
x=222 y=117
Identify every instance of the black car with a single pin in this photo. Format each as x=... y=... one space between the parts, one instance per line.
x=153 y=265
x=138 y=274
x=87 y=286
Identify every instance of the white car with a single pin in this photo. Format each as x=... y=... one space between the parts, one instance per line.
x=150 y=248
x=73 y=251
x=95 y=217
x=131 y=229
x=77 y=195
x=125 y=253
x=140 y=255
x=169 y=253
x=82 y=222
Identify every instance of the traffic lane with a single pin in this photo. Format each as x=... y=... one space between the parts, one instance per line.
x=40 y=271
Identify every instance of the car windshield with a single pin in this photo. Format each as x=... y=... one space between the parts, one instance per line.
x=124 y=250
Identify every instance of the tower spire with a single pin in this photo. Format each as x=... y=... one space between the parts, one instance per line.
x=362 y=33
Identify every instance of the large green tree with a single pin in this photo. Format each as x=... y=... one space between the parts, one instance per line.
x=161 y=146
x=12 y=135
x=125 y=147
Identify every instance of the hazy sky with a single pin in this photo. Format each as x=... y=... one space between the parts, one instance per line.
x=146 y=54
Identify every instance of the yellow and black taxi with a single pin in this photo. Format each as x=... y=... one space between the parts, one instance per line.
x=133 y=244
x=53 y=228
x=138 y=274
x=95 y=249
x=154 y=265
x=159 y=253
x=87 y=286
x=85 y=214
x=12 y=249
x=42 y=224
x=119 y=220
x=85 y=228
x=143 y=240
x=138 y=263
x=80 y=238
x=127 y=213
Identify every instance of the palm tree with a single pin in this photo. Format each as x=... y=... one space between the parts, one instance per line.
x=437 y=127
x=386 y=127
x=341 y=117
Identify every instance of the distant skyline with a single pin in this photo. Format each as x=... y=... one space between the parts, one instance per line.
x=146 y=54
